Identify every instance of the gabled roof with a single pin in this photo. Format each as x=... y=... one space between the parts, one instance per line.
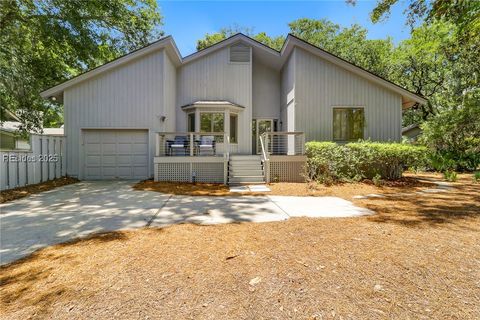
x=166 y=43
x=274 y=57
x=226 y=42
x=293 y=41
x=410 y=127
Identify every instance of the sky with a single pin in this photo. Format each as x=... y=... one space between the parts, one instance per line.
x=188 y=21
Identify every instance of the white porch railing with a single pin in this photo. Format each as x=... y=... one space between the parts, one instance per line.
x=193 y=144
x=283 y=156
x=284 y=143
x=192 y=156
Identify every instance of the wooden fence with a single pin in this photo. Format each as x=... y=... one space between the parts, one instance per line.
x=44 y=161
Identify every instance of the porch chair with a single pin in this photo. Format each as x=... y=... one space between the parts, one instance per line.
x=180 y=143
x=206 y=144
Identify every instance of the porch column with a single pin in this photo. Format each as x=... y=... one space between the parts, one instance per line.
x=226 y=129
x=197 y=120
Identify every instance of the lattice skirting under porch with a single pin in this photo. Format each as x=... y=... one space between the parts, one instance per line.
x=287 y=169
x=178 y=172
x=190 y=169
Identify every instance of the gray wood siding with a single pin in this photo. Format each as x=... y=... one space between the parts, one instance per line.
x=287 y=98
x=213 y=77
x=321 y=85
x=266 y=91
x=170 y=93
x=130 y=96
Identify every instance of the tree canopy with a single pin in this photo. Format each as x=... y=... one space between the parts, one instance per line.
x=438 y=61
x=224 y=33
x=45 y=42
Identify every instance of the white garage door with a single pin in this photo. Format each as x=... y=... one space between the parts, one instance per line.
x=115 y=154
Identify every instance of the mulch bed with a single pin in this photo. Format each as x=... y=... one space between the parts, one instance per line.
x=189 y=189
x=418 y=257
x=17 y=193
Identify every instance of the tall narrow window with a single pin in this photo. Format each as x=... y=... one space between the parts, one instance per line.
x=191 y=122
x=233 y=128
x=348 y=124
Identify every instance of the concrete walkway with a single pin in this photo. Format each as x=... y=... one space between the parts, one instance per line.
x=80 y=209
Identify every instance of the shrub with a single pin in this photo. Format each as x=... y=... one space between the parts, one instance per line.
x=328 y=161
x=476 y=176
x=453 y=135
x=450 y=175
x=377 y=180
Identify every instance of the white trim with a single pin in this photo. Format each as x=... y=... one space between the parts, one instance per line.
x=188 y=159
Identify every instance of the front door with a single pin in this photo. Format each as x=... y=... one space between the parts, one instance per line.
x=261 y=126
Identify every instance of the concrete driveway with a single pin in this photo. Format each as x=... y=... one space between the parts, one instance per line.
x=80 y=209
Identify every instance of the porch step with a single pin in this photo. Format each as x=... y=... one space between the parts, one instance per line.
x=245 y=165
x=246 y=180
x=239 y=157
x=245 y=169
x=246 y=172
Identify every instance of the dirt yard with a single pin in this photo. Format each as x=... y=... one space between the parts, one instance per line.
x=18 y=193
x=417 y=258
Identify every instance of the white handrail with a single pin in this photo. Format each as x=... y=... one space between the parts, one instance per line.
x=264 y=152
x=265 y=159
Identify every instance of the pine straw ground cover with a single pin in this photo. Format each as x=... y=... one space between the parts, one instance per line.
x=344 y=190
x=18 y=193
x=418 y=257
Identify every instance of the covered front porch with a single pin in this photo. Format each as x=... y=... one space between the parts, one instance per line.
x=206 y=157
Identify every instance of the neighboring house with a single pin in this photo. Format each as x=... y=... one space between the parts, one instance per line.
x=412 y=132
x=12 y=139
x=155 y=113
x=53 y=131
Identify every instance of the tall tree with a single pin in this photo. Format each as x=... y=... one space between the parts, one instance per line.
x=422 y=64
x=45 y=42
x=441 y=58
x=465 y=14
x=349 y=43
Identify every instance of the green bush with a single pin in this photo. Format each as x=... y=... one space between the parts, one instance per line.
x=476 y=176
x=377 y=180
x=450 y=175
x=328 y=161
x=453 y=136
